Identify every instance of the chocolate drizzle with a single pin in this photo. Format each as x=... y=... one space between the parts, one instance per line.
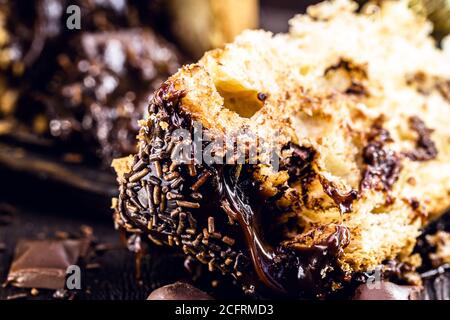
x=262 y=255
x=309 y=271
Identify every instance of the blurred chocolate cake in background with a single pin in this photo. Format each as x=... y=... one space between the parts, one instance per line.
x=103 y=85
x=80 y=89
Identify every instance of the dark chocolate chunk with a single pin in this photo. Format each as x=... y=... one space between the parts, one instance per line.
x=355 y=74
x=43 y=263
x=179 y=291
x=343 y=200
x=298 y=164
x=425 y=146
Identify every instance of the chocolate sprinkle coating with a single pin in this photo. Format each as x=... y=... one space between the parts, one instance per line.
x=170 y=210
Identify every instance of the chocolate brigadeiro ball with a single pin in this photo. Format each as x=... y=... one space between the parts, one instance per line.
x=386 y=291
x=176 y=205
x=179 y=291
x=32 y=33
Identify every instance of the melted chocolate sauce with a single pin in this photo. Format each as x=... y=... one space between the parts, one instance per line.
x=262 y=254
x=284 y=269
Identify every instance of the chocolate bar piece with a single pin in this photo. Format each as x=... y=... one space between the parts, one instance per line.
x=43 y=263
x=179 y=291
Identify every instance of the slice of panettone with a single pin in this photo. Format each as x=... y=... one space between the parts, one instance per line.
x=348 y=116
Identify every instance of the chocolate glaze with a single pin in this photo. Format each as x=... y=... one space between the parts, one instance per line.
x=262 y=255
x=284 y=268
